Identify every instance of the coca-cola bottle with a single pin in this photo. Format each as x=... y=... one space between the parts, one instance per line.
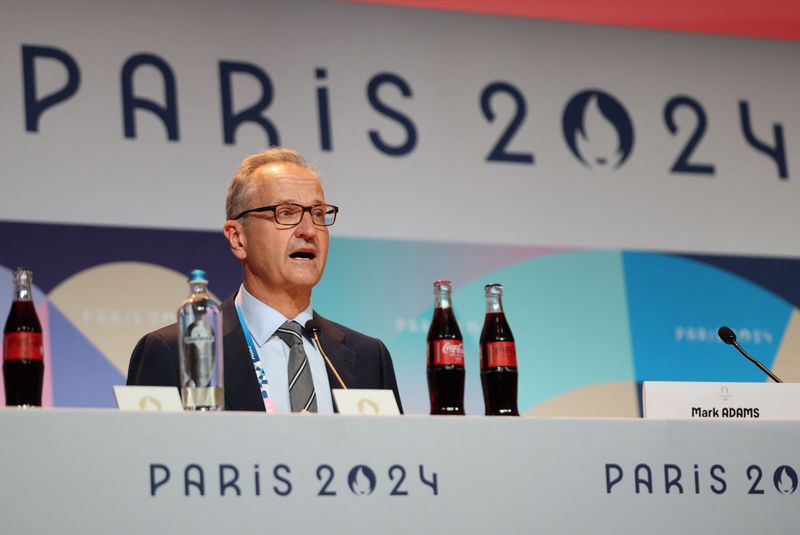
x=498 y=358
x=23 y=352
x=200 y=347
x=445 y=354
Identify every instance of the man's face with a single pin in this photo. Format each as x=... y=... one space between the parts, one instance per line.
x=285 y=260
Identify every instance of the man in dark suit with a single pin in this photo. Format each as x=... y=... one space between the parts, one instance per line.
x=277 y=226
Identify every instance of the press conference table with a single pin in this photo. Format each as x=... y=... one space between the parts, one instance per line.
x=105 y=471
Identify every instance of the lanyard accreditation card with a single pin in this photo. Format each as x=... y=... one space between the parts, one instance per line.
x=261 y=374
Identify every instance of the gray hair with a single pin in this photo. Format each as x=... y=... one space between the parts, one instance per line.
x=242 y=187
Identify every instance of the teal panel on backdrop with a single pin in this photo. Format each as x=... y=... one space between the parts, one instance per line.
x=569 y=316
x=568 y=313
x=676 y=306
x=378 y=286
x=384 y=289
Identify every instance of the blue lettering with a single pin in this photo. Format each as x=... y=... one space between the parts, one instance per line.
x=155 y=484
x=35 y=107
x=433 y=482
x=682 y=164
x=610 y=482
x=277 y=473
x=230 y=120
x=324 y=113
x=675 y=481
x=646 y=481
x=696 y=479
x=778 y=153
x=168 y=113
x=223 y=484
x=198 y=483
x=257 y=480
x=715 y=473
x=411 y=131
x=499 y=153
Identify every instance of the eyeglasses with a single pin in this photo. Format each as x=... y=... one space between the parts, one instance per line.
x=289 y=213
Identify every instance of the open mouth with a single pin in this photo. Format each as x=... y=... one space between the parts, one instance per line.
x=303 y=255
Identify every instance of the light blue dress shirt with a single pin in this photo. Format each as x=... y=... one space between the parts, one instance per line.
x=262 y=321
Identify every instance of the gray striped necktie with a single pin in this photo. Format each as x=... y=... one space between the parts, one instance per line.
x=301 y=384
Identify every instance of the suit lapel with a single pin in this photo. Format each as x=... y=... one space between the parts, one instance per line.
x=342 y=357
x=241 y=386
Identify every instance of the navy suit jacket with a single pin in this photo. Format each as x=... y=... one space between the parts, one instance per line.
x=362 y=361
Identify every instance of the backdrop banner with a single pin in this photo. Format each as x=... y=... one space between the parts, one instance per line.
x=590 y=324
x=425 y=125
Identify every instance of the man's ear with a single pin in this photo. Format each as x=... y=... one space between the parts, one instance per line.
x=234 y=232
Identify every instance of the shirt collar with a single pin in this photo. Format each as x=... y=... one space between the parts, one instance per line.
x=263 y=320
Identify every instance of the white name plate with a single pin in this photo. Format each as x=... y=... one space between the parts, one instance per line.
x=724 y=401
x=148 y=398
x=365 y=401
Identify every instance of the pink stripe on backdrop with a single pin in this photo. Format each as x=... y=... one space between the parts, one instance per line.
x=769 y=19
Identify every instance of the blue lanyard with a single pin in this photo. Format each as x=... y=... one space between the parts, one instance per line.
x=261 y=374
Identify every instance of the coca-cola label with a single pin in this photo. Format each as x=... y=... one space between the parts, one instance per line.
x=447 y=352
x=28 y=346
x=499 y=354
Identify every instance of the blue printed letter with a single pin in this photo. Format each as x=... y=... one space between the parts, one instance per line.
x=167 y=114
x=611 y=481
x=33 y=106
x=411 y=131
x=155 y=484
x=231 y=120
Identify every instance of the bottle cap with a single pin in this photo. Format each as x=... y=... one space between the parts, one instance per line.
x=493 y=289
x=442 y=285
x=197 y=275
x=23 y=274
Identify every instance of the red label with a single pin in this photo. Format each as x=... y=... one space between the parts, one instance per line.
x=27 y=346
x=500 y=354
x=446 y=352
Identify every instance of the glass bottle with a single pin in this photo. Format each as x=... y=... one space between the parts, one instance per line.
x=498 y=358
x=23 y=350
x=445 y=357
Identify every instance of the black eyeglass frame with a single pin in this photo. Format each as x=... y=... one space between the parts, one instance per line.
x=273 y=208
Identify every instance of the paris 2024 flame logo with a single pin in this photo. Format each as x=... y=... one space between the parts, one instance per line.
x=597 y=129
x=361 y=480
x=785 y=479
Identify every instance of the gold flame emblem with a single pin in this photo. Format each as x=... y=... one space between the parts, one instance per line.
x=367 y=406
x=149 y=403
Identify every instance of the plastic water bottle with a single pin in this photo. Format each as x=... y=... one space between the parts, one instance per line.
x=200 y=347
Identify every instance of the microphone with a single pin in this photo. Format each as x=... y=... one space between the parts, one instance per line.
x=727 y=335
x=313 y=327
